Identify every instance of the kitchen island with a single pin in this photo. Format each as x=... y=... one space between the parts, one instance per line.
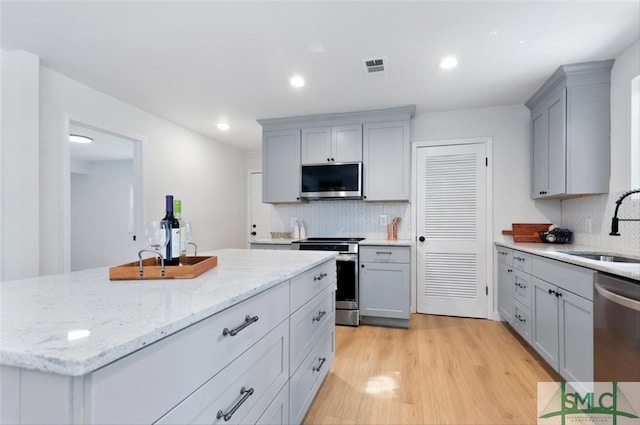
x=78 y=348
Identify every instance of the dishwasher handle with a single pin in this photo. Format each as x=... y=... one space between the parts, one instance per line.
x=618 y=299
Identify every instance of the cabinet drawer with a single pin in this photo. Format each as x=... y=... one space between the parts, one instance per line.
x=522 y=261
x=522 y=320
x=576 y=279
x=278 y=411
x=310 y=283
x=505 y=255
x=304 y=383
x=522 y=288
x=154 y=374
x=243 y=390
x=306 y=324
x=384 y=254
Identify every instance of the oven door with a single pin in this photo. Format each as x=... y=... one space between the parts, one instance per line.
x=347 y=276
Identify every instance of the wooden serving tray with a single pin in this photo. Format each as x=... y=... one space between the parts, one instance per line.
x=192 y=267
x=527 y=232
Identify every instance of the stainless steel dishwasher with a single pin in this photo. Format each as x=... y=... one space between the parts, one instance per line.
x=616 y=329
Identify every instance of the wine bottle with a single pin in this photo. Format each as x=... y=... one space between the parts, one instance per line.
x=177 y=212
x=172 y=253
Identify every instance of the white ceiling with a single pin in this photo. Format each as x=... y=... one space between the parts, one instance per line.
x=199 y=62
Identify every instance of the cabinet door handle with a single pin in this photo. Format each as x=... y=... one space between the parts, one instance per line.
x=247 y=321
x=320 y=276
x=318 y=317
x=558 y=294
x=383 y=252
x=245 y=395
x=509 y=270
x=322 y=360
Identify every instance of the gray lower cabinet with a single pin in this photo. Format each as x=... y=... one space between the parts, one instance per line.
x=553 y=311
x=505 y=283
x=266 y=373
x=385 y=285
x=274 y=246
x=281 y=166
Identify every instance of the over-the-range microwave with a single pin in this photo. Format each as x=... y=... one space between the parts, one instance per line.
x=332 y=181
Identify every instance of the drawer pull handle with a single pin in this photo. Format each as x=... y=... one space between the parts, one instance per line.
x=245 y=395
x=320 y=276
x=318 y=317
x=247 y=321
x=322 y=360
x=520 y=318
x=521 y=286
x=383 y=252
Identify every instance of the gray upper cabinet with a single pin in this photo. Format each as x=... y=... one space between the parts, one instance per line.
x=379 y=138
x=281 y=166
x=570 y=128
x=386 y=160
x=332 y=144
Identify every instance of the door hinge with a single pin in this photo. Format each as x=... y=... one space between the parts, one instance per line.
x=486 y=290
x=486 y=161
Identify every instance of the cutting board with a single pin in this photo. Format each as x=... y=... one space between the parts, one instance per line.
x=527 y=232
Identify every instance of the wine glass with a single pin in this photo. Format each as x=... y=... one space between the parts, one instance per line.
x=188 y=237
x=156 y=233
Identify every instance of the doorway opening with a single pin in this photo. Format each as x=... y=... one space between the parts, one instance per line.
x=104 y=208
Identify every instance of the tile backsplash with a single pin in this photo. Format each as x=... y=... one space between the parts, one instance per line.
x=590 y=220
x=343 y=218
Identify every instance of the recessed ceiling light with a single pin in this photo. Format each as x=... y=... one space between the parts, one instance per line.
x=296 y=81
x=223 y=126
x=76 y=138
x=449 y=62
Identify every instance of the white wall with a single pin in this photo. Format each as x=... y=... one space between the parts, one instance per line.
x=509 y=128
x=590 y=217
x=206 y=175
x=19 y=233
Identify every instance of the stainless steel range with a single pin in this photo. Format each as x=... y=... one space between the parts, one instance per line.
x=347 y=263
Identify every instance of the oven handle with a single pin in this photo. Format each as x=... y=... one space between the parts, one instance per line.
x=351 y=258
x=618 y=299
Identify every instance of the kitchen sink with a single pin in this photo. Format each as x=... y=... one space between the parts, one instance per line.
x=602 y=256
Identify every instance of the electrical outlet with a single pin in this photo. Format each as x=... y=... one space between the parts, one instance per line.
x=294 y=220
x=383 y=220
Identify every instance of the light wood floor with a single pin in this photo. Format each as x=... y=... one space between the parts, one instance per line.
x=443 y=370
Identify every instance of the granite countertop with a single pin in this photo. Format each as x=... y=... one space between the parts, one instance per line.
x=554 y=251
x=41 y=316
x=386 y=242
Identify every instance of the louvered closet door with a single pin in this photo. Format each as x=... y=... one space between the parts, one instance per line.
x=451 y=214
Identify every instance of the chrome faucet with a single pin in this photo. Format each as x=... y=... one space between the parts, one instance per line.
x=615 y=220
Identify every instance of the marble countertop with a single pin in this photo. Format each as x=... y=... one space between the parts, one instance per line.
x=386 y=242
x=75 y=323
x=555 y=251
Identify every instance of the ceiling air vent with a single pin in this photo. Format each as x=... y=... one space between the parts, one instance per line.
x=374 y=66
